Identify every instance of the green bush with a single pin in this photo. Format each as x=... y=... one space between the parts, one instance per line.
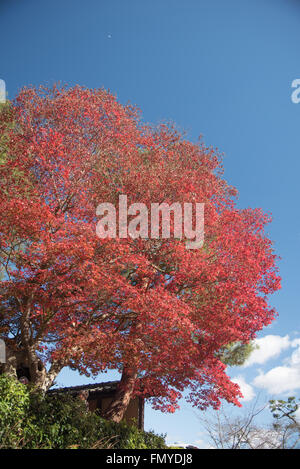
x=14 y=404
x=31 y=420
x=127 y=436
x=61 y=422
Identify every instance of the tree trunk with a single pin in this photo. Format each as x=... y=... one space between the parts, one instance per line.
x=24 y=363
x=117 y=408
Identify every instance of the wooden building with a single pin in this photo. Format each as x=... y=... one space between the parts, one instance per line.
x=98 y=396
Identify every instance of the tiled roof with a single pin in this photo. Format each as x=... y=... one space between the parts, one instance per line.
x=100 y=387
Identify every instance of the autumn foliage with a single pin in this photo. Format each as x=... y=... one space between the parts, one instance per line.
x=157 y=312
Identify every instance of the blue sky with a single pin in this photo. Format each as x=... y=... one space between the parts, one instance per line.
x=220 y=69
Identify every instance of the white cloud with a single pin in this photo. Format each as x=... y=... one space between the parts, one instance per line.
x=269 y=347
x=246 y=389
x=203 y=445
x=297 y=414
x=281 y=379
x=295 y=358
x=295 y=342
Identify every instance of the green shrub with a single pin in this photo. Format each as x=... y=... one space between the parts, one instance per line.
x=61 y=422
x=130 y=437
x=14 y=404
x=31 y=420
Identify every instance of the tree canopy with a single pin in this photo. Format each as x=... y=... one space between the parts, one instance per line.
x=157 y=312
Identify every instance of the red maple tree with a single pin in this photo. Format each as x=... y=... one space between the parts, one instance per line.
x=155 y=311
